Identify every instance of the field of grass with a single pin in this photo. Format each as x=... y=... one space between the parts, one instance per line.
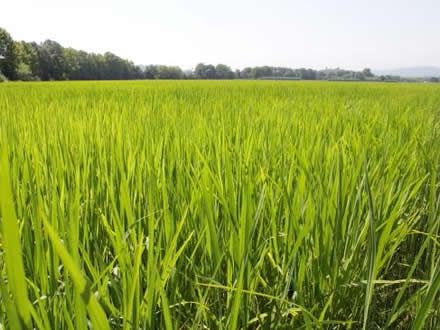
x=219 y=205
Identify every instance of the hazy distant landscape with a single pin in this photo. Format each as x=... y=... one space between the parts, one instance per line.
x=50 y=61
x=411 y=72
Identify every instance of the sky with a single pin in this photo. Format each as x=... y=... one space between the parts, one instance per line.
x=352 y=34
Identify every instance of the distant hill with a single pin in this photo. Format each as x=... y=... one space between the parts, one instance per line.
x=411 y=72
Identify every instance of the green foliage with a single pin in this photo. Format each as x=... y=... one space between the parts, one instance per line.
x=24 y=73
x=232 y=205
x=11 y=241
x=2 y=77
x=8 y=56
x=29 y=64
x=203 y=71
x=223 y=71
x=51 y=61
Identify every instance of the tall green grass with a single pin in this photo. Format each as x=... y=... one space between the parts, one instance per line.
x=220 y=205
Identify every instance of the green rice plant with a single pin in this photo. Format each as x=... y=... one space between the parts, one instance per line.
x=220 y=205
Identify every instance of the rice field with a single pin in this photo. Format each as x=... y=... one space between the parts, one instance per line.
x=219 y=205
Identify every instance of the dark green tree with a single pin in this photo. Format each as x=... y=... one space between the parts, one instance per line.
x=52 y=61
x=367 y=73
x=203 y=71
x=8 y=55
x=28 y=62
x=223 y=71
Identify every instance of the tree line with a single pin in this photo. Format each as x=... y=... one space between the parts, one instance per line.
x=48 y=60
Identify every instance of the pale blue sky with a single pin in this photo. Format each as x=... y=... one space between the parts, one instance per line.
x=314 y=33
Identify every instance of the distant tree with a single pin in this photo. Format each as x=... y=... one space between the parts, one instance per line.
x=223 y=71
x=52 y=62
x=8 y=56
x=24 y=73
x=210 y=72
x=72 y=64
x=113 y=67
x=95 y=67
x=138 y=72
x=169 y=72
x=28 y=62
x=261 y=72
x=150 y=72
x=161 y=72
x=199 y=70
x=367 y=73
x=203 y=71
x=246 y=73
x=307 y=74
x=359 y=75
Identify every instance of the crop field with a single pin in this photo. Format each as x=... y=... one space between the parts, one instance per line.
x=219 y=205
